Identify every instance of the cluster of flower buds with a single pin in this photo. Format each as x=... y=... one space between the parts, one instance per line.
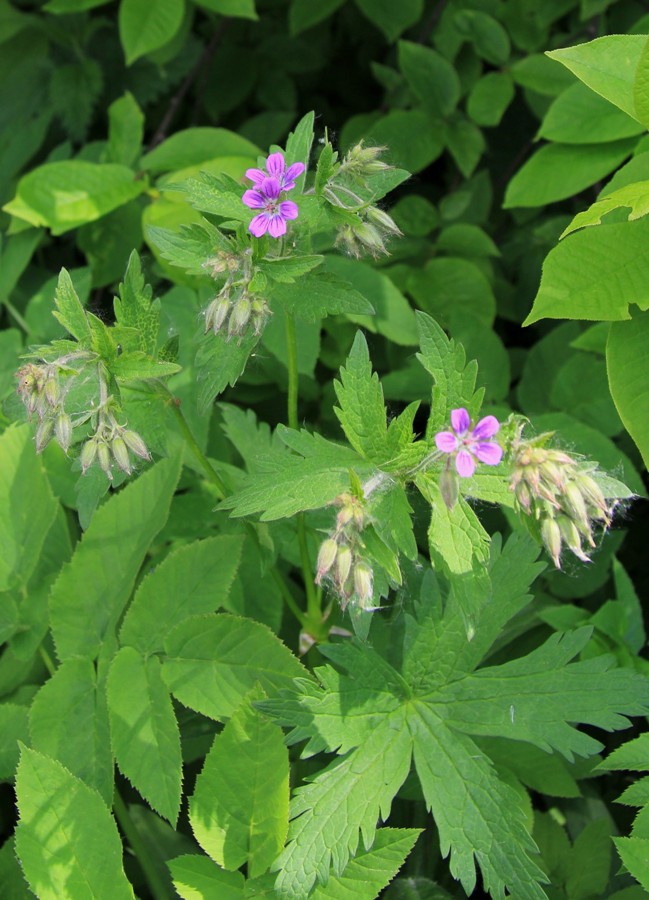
x=234 y=315
x=368 y=234
x=360 y=161
x=561 y=494
x=222 y=262
x=40 y=389
x=110 y=445
x=340 y=558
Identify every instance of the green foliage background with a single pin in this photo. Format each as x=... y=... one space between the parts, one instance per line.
x=524 y=238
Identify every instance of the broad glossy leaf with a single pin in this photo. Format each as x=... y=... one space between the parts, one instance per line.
x=194 y=579
x=198 y=878
x=64 y=820
x=214 y=661
x=415 y=138
x=626 y=358
x=125 y=130
x=143 y=730
x=390 y=17
x=641 y=87
x=68 y=721
x=27 y=507
x=145 y=27
x=633 y=196
x=430 y=76
x=89 y=595
x=239 y=809
x=452 y=290
x=579 y=116
x=489 y=98
x=192 y=146
x=244 y=9
x=14 y=728
x=64 y=195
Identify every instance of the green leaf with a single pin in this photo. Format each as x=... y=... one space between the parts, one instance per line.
x=391 y=18
x=590 y=861
x=362 y=408
x=136 y=309
x=14 y=729
x=465 y=143
x=198 y=878
x=430 y=76
x=557 y=171
x=607 y=65
x=579 y=116
x=457 y=540
x=490 y=39
x=137 y=366
x=243 y=9
x=315 y=296
x=144 y=28
x=143 y=729
x=641 y=87
x=469 y=802
x=63 y=819
x=219 y=363
x=298 y=147
x=634 y=196
x=628 y=378
x=453 y=290
x=595 y=274
x=415 y=138
x=291 y=483
x=370 y=871
x=191 y=247
x=69 y=311
x=634 y=853
x=64 y=195
x=489 y=98
x=303 y=14
x=68 y=721
x=125 y=130
x=192 y=580
x=325 y=832
x=215 y=194
x=27 y=507
x=213 y=661
x=239 y=810
x=92 y=590
x=193 y=146
x=289 y=268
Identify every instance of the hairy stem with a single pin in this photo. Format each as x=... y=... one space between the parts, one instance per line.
x=158 y=887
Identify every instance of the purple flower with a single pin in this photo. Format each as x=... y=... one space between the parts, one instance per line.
x=276 y=168
x=265 y=196
x=466 y=444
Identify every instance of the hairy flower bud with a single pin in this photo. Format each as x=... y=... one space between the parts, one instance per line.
x=239 y=316
x=363 y=583
x=63 y=431
x=120 y=454
x=326 y=558
x=44 y=434
x=382 y=220
x=449 y=486
x=104 y=458
x=370 y=237
x=88 y=454
x=551 y=536
x=343 y=566
x=216 y=314
x=571 y=536
x=135 y=444
x=52 y=391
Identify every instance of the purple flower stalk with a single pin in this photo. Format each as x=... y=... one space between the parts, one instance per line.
x=276 y=168
x=468 y=445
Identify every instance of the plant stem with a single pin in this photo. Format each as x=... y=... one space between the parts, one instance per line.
x=158 y=887
x=313 y=603
x=11 y=309
x=210 y=472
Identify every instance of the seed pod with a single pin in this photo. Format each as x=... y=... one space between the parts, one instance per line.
x=135 y=444
x=551 y=536
x=326 y=558
x=104 y=457
x=120 y=454
x=63 y=431
x=44 y=434
x=88 y=454
x=343 y=566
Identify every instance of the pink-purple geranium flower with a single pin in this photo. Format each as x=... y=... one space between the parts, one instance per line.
x=269 y=185
x=276 y=168
x=468 y=444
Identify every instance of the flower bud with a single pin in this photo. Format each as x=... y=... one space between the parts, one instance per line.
x=363 y=583
x=135 y=444
x=383 y=220
x=120 y=454
x=343 y=566
x=551 y=536
x=370 y=237
x=573 y=503
x=216 y=314
x=52 y=392
x=593 y=495
x=63 y=431
x=104 y=457
x=44 y=434
x=239 y=316
x=88 y=454
x=326 y=558
x=571 y=536
x=449 y=486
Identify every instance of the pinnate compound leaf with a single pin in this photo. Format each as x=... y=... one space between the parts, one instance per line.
x=371 y=870
x=145 y=27
x=595 y=274
x=27 y=507
x=69 y=310
x=325 y=832
x=198 y=878
x=89 y=595
x=293 y=483
x=239 y=810
x=64 y=195
x=144 y=731
x=628 y=378
x=193 y=580
x=362 y=408
x=68 y=721
x=608 y=65
x=213 y=661
x=67 y=840
x=478 y=816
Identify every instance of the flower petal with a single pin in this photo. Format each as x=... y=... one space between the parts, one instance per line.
x=288 y=209
x=254 y=199
x=277 y=226
x=489 y=452
x=486 y=428
x=465 y=464
x=275 y=164
x=460 y=421
x=259 y=224
x=271 y=188
x=446 y=441
x=255 y=175
x=294 y=171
